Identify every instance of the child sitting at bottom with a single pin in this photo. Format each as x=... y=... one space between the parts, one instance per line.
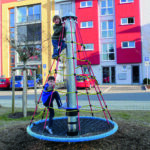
x=48 y=97
x=57 y=40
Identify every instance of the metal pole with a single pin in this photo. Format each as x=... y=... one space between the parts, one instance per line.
x=13 y=91
x=71 y=89
x=35 y=86
x=24 y=99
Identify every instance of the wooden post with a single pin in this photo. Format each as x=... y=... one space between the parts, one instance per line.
x=13 y=91
x=24 y=99
x=35 y=86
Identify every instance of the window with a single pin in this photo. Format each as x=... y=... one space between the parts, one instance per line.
x=89 y=47
x=34 y=32
x=128 y=44
x=126 y=1
x=37 y=57
x=86 y=69
x=106 y=7
x=12 y=20
x=31 y=32
x=34 y=13
x=88 y=24
x=22 y=14
x=86 y=4
x=65 y=9
x=12 y=61
x=28 y=14
x=33 y=48
x=126 y=21
x=12 y=37
x=107 y=29
x=108 y=52
x=22 y=33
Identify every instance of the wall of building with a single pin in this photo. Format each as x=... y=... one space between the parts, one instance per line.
x=89 y=35
x=1 y=3
x=47 y=9
x=125 y=58
x=130 y=32
x=145 y=31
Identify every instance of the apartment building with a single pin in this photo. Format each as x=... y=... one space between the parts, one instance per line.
x=29 y=24
x=115 y=34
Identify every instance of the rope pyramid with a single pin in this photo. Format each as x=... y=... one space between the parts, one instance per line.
x=80 y=48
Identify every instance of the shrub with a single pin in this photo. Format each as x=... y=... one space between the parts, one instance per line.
x=145 y=81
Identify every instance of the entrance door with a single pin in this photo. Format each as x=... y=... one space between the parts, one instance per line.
x=135 y=74
x=106 y=75
x=109 y=75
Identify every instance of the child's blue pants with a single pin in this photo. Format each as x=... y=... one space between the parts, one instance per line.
x=51 y=110
x=55 y=45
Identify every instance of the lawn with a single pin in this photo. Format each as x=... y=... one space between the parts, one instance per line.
x=133 y=132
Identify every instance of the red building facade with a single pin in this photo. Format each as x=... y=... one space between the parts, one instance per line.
x=111 y=33
x=87 y=14
x=128 y=30
x=116 y=36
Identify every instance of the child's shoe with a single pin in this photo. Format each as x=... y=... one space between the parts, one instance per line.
x=64 y=105
x=49 y=130
x=54 y=56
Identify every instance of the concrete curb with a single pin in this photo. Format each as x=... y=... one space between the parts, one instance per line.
x=103 y=89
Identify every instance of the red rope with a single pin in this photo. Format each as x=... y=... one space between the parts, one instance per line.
x=85 y=55
x=86 y=88
x=41 y=94
x=55 y=75
x=46 y=82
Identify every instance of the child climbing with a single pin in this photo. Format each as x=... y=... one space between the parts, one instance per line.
x=58 y=37
x=48 y=97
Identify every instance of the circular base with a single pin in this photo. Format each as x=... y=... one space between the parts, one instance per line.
x=91 y=128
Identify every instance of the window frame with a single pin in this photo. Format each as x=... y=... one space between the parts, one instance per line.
x=62 y=13
x=89 y=49
x=86 y=2
x=127 y=1
x=24 y=16
x=107 y=21
x=107 y=14
x=108 y=52
x=127 y=21
x=27 y=16
x=11 y=32
x=86 y=24
x=128 y=44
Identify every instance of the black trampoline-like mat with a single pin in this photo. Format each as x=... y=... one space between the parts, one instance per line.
x=88 y=127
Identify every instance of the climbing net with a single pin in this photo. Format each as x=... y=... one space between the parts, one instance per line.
x=80 y=48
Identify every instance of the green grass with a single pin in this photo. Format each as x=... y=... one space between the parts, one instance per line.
x=135 y=116
x=4 y=116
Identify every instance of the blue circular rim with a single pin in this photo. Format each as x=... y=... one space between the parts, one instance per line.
x=72 y=139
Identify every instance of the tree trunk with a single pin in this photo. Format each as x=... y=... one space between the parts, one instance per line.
x=24 y=99
x=35 y=87
x=13 y=91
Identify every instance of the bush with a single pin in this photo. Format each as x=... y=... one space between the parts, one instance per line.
x=145 y=81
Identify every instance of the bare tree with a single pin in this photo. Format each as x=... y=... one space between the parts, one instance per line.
x=25 y=52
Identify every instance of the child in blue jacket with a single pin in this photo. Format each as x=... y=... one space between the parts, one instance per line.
x=48 y=97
